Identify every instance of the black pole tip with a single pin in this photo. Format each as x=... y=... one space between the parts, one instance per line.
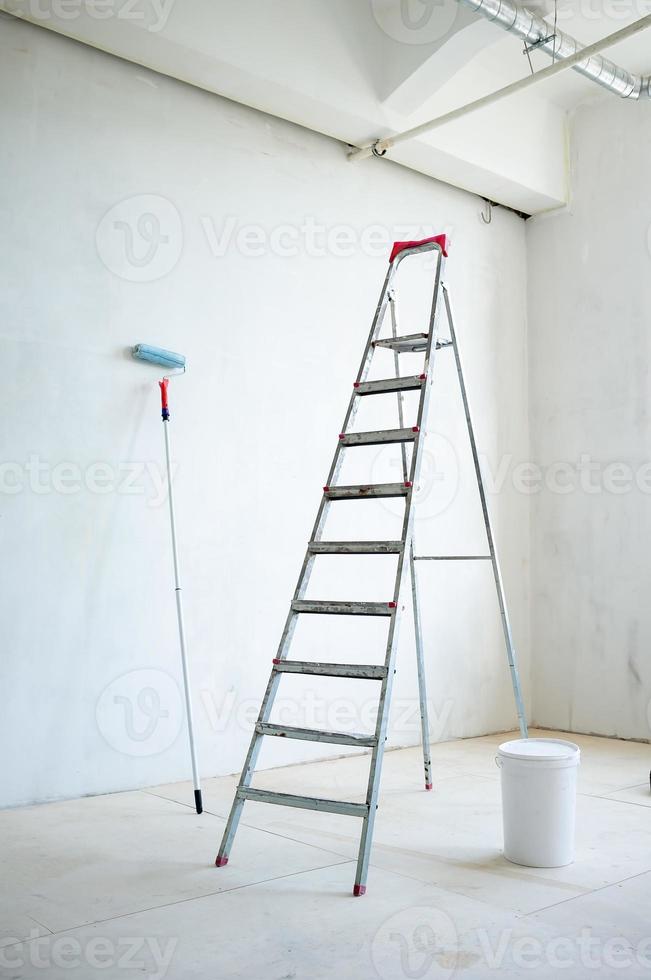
x=197 y=801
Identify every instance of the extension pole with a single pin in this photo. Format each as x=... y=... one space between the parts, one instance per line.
x=179 y=604
x=379 y=147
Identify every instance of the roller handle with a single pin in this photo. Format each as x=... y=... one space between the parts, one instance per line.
x=165 y=411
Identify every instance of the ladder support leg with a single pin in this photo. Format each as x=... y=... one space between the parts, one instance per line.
x=361 y=874
x=247 y=773
x=229 y=833
x=375 y=771
x=497 y=574
x=420 y=665
x=420 y=662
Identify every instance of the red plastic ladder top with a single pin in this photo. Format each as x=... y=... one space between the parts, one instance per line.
x=401 y=246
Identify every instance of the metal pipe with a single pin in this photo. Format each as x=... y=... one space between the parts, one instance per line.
x=379 y=147
x=535 y=31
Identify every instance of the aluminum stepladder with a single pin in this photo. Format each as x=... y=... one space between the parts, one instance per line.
x=428 y=343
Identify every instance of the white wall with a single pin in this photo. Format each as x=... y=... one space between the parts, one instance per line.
x=589 y=303
x=90 y=665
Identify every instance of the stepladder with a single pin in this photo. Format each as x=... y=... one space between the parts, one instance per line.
x=409 y=437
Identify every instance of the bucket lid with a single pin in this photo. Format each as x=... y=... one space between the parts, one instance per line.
x=541 y=750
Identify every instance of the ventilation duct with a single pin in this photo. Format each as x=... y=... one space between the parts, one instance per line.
x=535 y=31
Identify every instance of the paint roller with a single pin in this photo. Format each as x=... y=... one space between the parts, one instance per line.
x=157 y=355
x=175 y=362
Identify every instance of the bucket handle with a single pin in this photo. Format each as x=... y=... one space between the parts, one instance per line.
x=498 y=762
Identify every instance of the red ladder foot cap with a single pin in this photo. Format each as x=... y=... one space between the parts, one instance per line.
x=221 y=862
x=359 y=890
x=428 y=785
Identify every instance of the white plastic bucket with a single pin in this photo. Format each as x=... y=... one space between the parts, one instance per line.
x=539 y=800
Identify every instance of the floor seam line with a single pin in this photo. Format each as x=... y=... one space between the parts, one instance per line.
x=450 y=891
x=609 y=799
x=591 y=891
x=41 y=924
x=181 y=901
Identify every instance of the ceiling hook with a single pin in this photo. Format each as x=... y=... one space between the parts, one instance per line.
x=487 y=214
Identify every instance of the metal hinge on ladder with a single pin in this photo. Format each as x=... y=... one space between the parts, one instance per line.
x=412 y=437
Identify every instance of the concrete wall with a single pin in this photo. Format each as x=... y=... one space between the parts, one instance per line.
x=139 y=209
x=589 y=302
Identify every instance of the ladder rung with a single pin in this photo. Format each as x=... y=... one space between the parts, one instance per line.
x=314 y=735
x=389 y=384
x=364 y=492
x=343 y=608
x=303 y=802
x=409 y=344
x=355 y=547
x=368 y=672
x=376 y=438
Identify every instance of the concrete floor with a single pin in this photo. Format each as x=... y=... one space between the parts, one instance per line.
x=123 y=886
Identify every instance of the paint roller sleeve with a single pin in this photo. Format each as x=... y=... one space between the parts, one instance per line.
x=157 y=355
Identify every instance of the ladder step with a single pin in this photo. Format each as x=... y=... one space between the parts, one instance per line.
x=363 y=492
x=376 y=438
x=303 y=802
x=409 y=344
x=413 y=383
x=355 y=547
x=361 y=671
x=314 y=735
x=413 y=343
x=343 y=608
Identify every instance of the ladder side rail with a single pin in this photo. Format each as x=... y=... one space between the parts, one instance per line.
x=428 y=370
x=396 y=366
x=497 y=573
x=377 y=755
x=420 y=668
x=415 y=595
